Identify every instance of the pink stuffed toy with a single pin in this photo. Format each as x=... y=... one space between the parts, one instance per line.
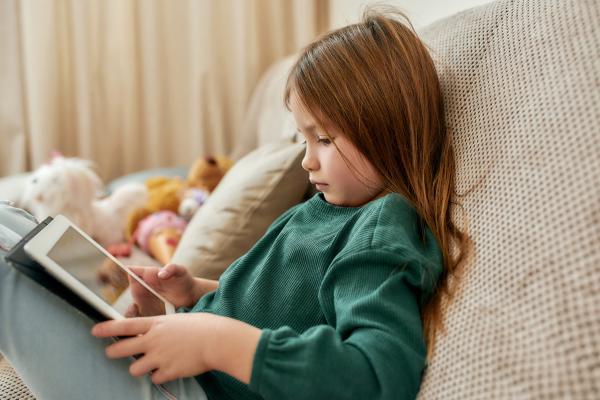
x=159 y=233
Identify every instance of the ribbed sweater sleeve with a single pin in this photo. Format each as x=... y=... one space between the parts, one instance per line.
x=371 y=348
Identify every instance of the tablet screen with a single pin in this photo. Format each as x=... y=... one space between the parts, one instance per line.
x=87 y=263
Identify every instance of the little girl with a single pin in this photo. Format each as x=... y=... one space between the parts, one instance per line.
x=341 y=298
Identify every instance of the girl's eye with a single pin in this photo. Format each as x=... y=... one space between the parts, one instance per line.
x=324 y=140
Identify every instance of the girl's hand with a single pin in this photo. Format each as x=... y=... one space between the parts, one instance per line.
x=183 y=345
x=173 y=282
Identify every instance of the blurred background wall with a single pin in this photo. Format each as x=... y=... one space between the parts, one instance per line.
x=134 y=84
x=421 y=12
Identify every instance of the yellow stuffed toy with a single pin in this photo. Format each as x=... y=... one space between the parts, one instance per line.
x=164 y=194
x=207 y=172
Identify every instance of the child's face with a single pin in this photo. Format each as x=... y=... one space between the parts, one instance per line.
x=341 y=184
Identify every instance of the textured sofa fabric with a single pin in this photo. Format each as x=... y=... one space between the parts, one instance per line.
x=521 y=81
x=267 y=120
x=11 y=387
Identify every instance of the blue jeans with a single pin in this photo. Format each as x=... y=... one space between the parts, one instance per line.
x=49 y=343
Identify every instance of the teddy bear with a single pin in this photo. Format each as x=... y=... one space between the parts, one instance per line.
x=207 y=172
x=166 y=194
x=203 y=177
x=163 y=194
x=157 y=226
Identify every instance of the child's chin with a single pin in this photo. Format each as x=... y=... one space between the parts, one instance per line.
x=328 y=198
x=336 y=201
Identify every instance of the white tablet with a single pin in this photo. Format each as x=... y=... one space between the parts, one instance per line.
x=73 y=257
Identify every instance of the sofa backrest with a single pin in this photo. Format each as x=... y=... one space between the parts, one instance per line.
x=266 y=119
x=521 y=83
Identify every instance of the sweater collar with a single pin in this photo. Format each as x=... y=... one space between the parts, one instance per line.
x=319 y=204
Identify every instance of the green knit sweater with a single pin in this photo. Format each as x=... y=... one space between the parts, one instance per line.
x=337 y=292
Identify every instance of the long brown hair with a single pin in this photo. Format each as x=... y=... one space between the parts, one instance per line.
x=376 y=82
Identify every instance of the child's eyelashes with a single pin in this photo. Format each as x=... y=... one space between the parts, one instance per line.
x=324 y=140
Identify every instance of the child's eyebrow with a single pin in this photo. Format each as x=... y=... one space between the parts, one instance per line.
x=310 y=130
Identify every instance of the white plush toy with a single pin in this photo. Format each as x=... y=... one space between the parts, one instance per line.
x=69 y=186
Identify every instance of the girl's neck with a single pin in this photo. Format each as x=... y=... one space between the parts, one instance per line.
x=384 y=192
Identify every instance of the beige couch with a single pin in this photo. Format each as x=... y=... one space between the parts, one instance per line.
x=521 y=81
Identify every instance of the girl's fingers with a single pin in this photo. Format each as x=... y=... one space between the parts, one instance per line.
x=123 y=327
x=169 y=270
x=164 y=274
x=126 y=348
x=147 y=274
x=142 y=366
x=139 y=271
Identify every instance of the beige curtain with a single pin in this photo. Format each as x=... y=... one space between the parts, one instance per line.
x=137 y=84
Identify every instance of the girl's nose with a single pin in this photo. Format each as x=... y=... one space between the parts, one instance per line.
x=310 y=162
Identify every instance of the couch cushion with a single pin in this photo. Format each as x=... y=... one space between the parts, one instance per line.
x=521 y=82
x=267 y=120
x=257 y=189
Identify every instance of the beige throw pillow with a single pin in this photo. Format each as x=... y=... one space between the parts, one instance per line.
x=257 y=189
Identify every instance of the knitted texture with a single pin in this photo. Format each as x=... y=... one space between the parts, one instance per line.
x=332 y=286
x=11 y=387
x=521 y=82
